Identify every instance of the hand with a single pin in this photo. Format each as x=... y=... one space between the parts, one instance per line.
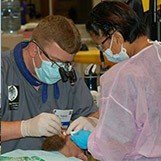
x=44 y=124
x=86 y=123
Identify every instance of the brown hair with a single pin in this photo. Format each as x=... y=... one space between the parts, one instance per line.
x=60 y=30
x=109 y=16
x=54 y=143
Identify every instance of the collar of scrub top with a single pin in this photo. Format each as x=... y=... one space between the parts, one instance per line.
x=28 y=76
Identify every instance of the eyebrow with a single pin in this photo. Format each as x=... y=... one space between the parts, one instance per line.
x=45 y=53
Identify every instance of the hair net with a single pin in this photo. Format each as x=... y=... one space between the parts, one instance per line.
x=129 y=127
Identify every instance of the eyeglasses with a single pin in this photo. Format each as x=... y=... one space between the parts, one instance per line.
x=66 y=74
x=45 y=53
x=100 y=46
x=67 y=65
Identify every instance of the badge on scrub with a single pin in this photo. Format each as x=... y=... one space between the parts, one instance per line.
x=13 y=97
x=65 y=116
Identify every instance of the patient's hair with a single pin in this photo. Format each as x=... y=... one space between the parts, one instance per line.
x=54 y=143
x=55 y=28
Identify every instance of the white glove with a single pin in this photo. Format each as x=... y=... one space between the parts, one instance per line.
x=44 y=124
x=86 y=123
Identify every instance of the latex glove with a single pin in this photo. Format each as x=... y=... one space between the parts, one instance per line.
x=86 y=123
x=44 y=124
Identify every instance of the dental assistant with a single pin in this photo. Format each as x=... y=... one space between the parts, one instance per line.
x=129 y=126
x=39 y=84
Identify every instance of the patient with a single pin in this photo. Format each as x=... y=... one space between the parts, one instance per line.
x=64 y=145
x=57 y=147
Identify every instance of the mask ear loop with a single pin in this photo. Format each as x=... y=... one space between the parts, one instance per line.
x=123 y=49
x=122 y=46
x=111 y=53
x=33 y=58
x=38 y=52
x=111 y=42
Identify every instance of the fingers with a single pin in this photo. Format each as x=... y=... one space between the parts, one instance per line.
x=56 y=119
x=54 y=125
x=79 y=127
x=78 y=124
x=82 y=123
x=72 y=126
x=52 y=131
x=89 y=128
x=53 y=118
x=49 y=125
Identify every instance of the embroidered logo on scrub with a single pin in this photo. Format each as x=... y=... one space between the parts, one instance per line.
x=13 y=97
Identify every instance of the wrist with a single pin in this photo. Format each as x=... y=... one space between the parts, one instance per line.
x=94 y=120
x=10 y=130
x=25 y=128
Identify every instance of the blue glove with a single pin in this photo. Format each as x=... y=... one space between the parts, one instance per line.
x=80 y=138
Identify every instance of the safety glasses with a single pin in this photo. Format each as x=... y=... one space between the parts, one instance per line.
x=45 y=53
x=67 y=72
x=100 y=46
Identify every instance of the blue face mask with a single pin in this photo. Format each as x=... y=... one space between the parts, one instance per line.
x=48 y=73
x=122 y=55
x=80 y=138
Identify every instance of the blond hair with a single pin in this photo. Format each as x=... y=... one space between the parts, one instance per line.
x=55 y=28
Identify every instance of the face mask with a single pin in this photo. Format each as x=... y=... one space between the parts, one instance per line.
x=122 y=55
x=48 y=73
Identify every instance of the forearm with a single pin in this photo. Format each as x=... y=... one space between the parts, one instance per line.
x=10 y=130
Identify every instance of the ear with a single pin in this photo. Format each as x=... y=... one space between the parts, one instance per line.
x=118 y=38
x=33 y=51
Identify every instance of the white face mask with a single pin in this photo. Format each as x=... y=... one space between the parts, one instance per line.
x=122 y=55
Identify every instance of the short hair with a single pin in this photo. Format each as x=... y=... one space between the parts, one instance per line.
x=108 y=16
x=55 y=28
